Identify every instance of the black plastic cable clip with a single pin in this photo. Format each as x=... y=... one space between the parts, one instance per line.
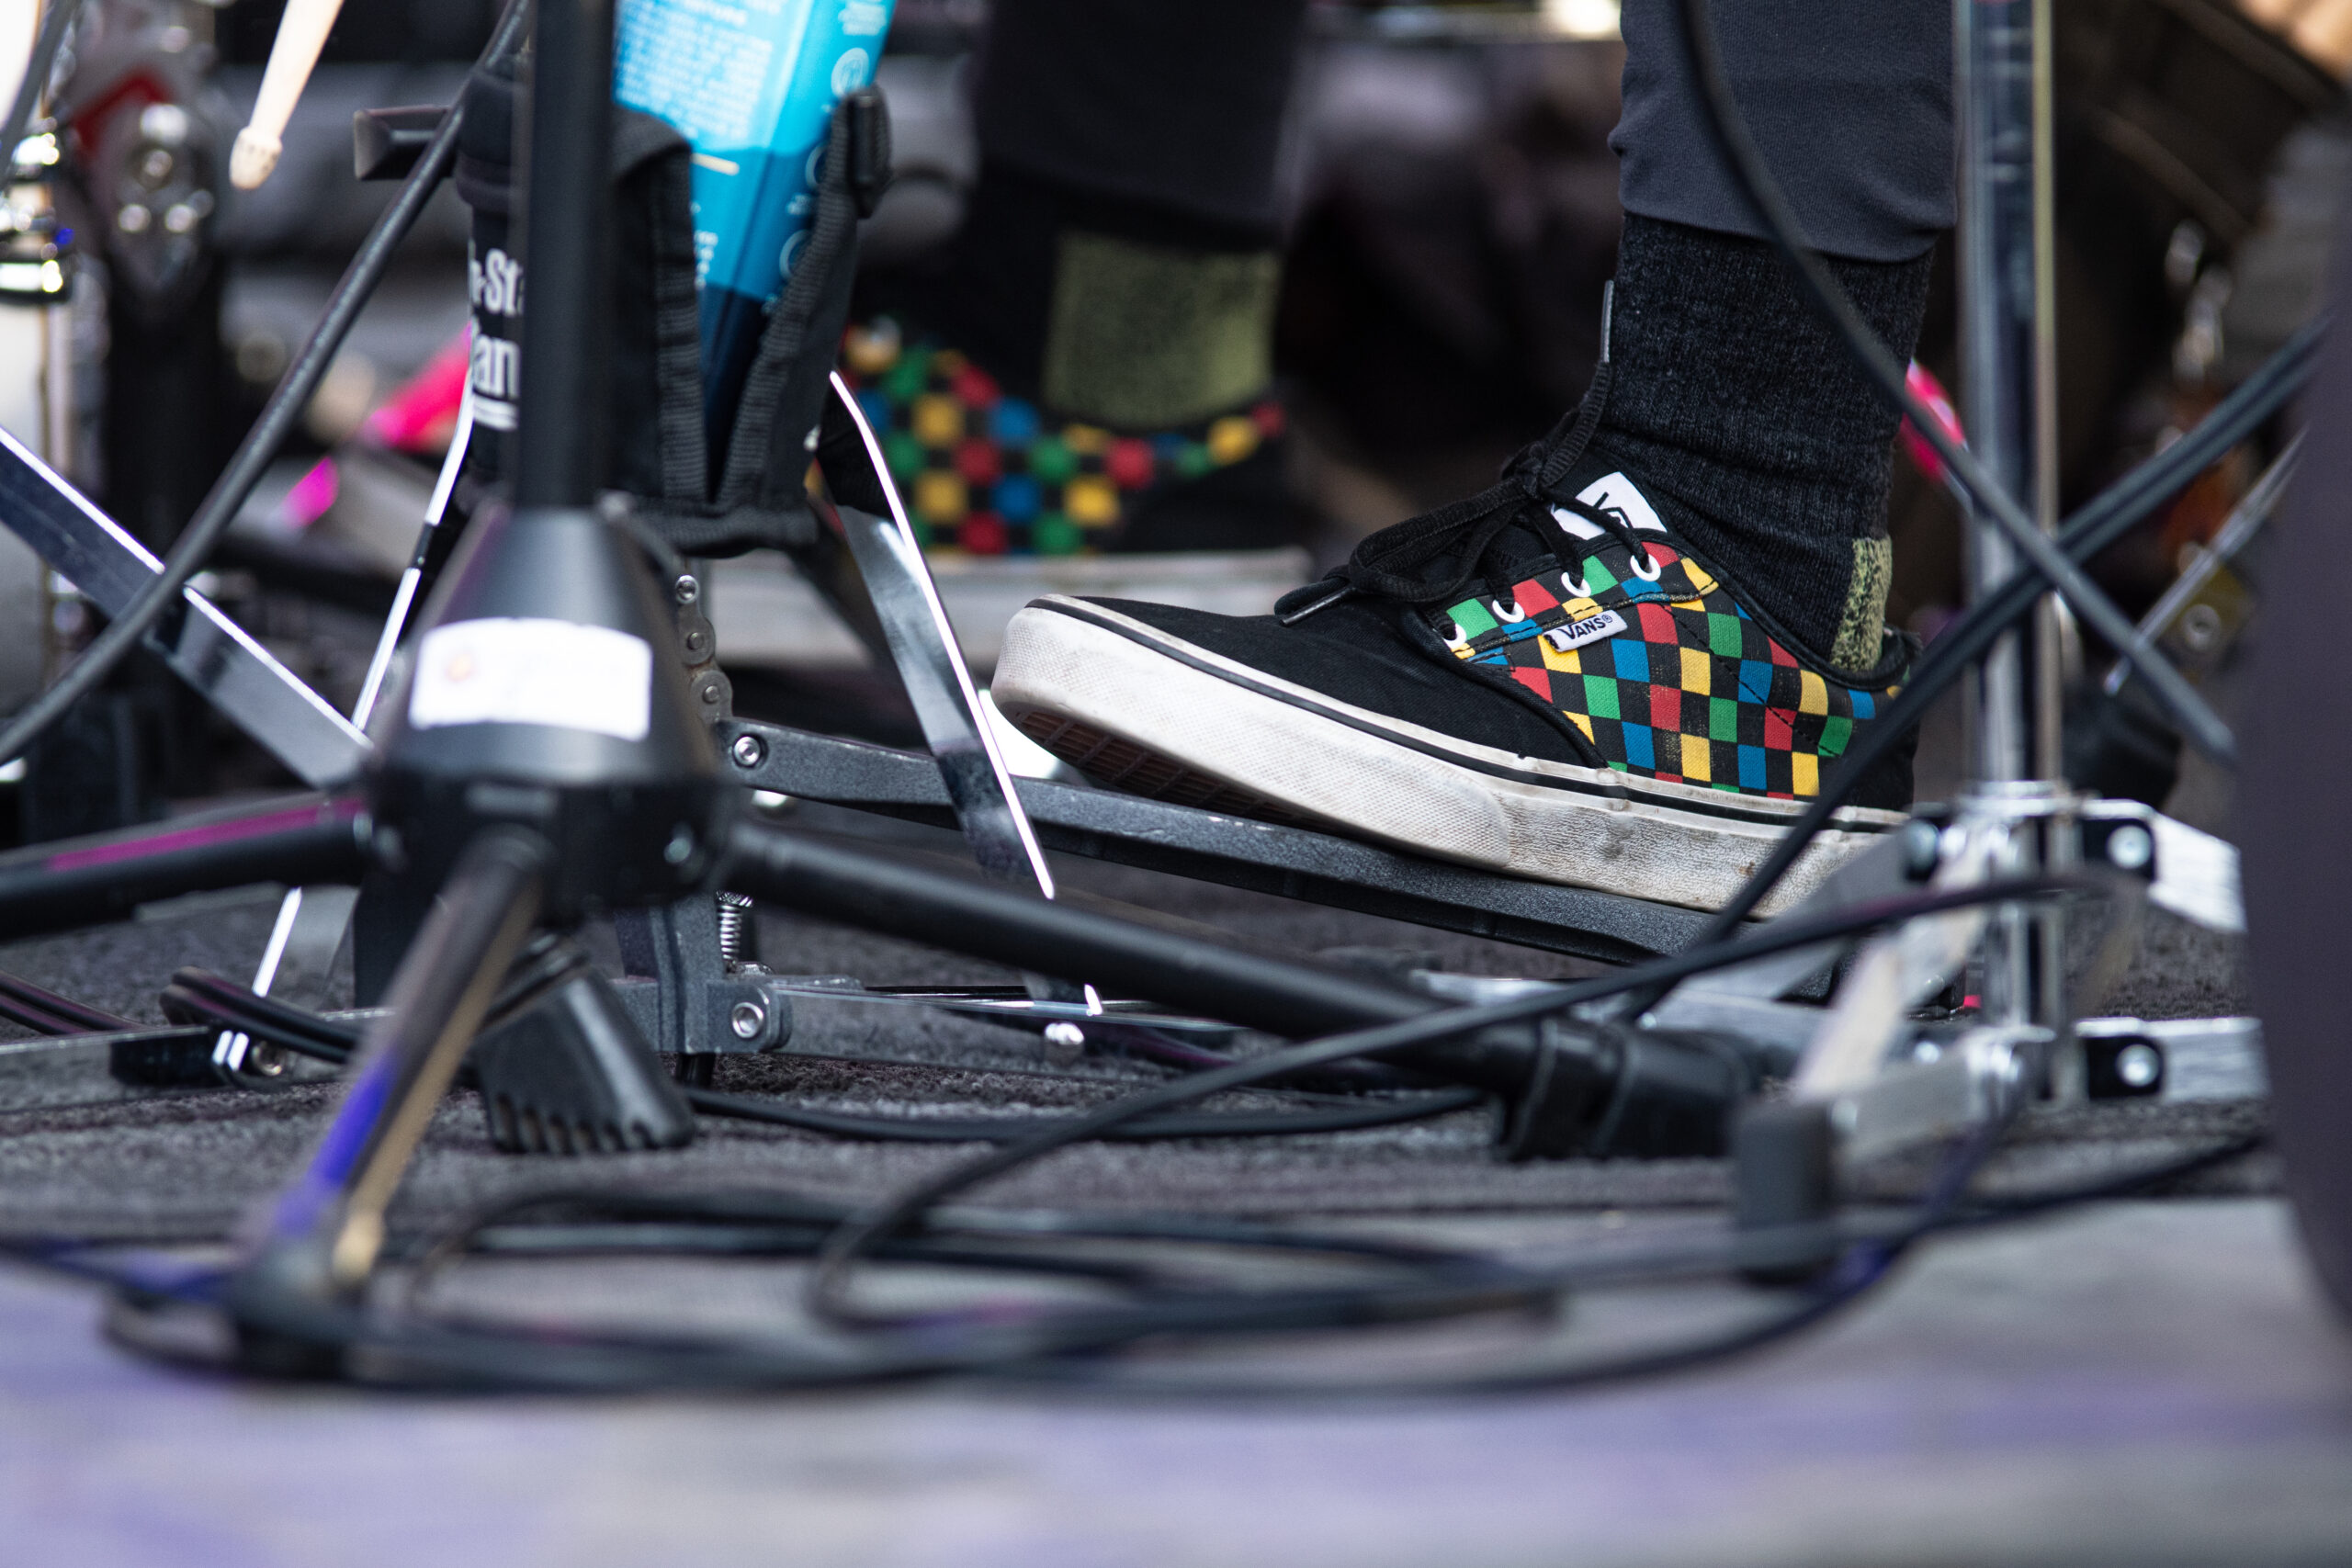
x=870 y=149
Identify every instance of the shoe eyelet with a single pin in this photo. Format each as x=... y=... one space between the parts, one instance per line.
x=1575 y=586
x=1507 y=615
x=1454 y=640
x=1641 y=559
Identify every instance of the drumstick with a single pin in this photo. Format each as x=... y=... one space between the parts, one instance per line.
x=301 y=36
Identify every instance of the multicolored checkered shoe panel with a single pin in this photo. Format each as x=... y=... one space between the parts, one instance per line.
x=993 y=474
x=1661 y=668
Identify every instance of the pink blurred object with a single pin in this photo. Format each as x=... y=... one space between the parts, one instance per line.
x=312 y=494
x=422 y=415
x=1931 y=391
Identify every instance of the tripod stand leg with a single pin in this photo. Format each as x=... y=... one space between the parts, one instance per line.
x=211 y=652
x=325 y=1230
x=79 y=882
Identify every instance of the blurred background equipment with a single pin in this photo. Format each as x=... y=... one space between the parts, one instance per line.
x=1448 y=216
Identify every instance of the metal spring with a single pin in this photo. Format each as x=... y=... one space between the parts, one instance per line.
x=736 y=936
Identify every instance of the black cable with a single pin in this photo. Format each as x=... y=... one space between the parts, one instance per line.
x=253 y=455
x=777 y=1225
x=199 y=997
x=1990 y=1210
x=1729 y=130
x=2090 y=530
x=2093 y=528
x=46 y=1012
x=497 y=1356
x=825 y=1289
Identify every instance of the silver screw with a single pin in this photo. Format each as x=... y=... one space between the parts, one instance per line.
x=747 y=1019
x=2138 y=1064
x=687 y=589
x=2128 y=847
x=2200 y=628
x=749 y=751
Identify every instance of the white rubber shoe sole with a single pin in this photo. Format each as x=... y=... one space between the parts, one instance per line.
x=1136 y=709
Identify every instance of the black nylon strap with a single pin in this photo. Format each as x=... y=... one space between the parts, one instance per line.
x=760 y=502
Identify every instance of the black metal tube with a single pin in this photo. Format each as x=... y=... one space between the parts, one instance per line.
x=327 y=1225
x=566 y=262
x=1092 y=946
x=79 y=882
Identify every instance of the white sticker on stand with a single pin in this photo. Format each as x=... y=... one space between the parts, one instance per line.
x=1611 y=492
x=513 y=671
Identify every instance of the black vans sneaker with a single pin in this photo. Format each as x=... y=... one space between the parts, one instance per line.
x=1543 y=680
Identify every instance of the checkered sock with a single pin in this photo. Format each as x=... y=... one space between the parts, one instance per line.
x=1728 y=395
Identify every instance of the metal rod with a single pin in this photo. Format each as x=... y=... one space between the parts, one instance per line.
x=2008 y=342
x=1994 y=54
x=2171 y=692
x=79 y=882
x=387 y=641
x=2050 y=630
x=2046 y=922
x=565 y=246
x=1126 y=957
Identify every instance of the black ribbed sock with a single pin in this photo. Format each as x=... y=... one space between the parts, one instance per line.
x=1731 y=397
x=1008 y=284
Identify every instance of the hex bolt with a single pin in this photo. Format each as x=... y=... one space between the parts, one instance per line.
x=2130 y=847
x=748 y=750
x=2138 y=1066
x=747 y=1019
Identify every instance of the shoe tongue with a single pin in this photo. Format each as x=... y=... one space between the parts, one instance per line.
x=1517 y=552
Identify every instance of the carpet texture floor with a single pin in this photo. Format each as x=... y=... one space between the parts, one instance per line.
x=79 y=1154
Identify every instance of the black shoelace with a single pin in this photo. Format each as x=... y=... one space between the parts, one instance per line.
x=1391 y=564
